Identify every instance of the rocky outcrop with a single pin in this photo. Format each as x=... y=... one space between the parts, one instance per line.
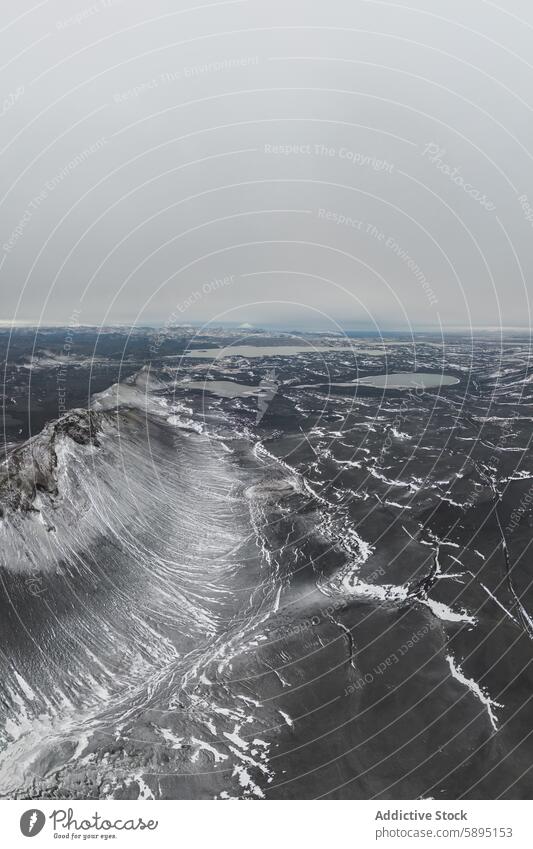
x=31 y=468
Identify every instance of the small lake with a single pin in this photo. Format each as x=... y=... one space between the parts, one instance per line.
x=250 y=351
x=404 y=380
x=223 y=388
x=398 y=380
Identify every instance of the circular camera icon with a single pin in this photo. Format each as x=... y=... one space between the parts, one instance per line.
x=32 y=822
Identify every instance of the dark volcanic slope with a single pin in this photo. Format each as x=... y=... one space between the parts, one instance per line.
x=292 y=588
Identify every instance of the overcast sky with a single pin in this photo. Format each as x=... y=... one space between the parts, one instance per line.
x=321 y=164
